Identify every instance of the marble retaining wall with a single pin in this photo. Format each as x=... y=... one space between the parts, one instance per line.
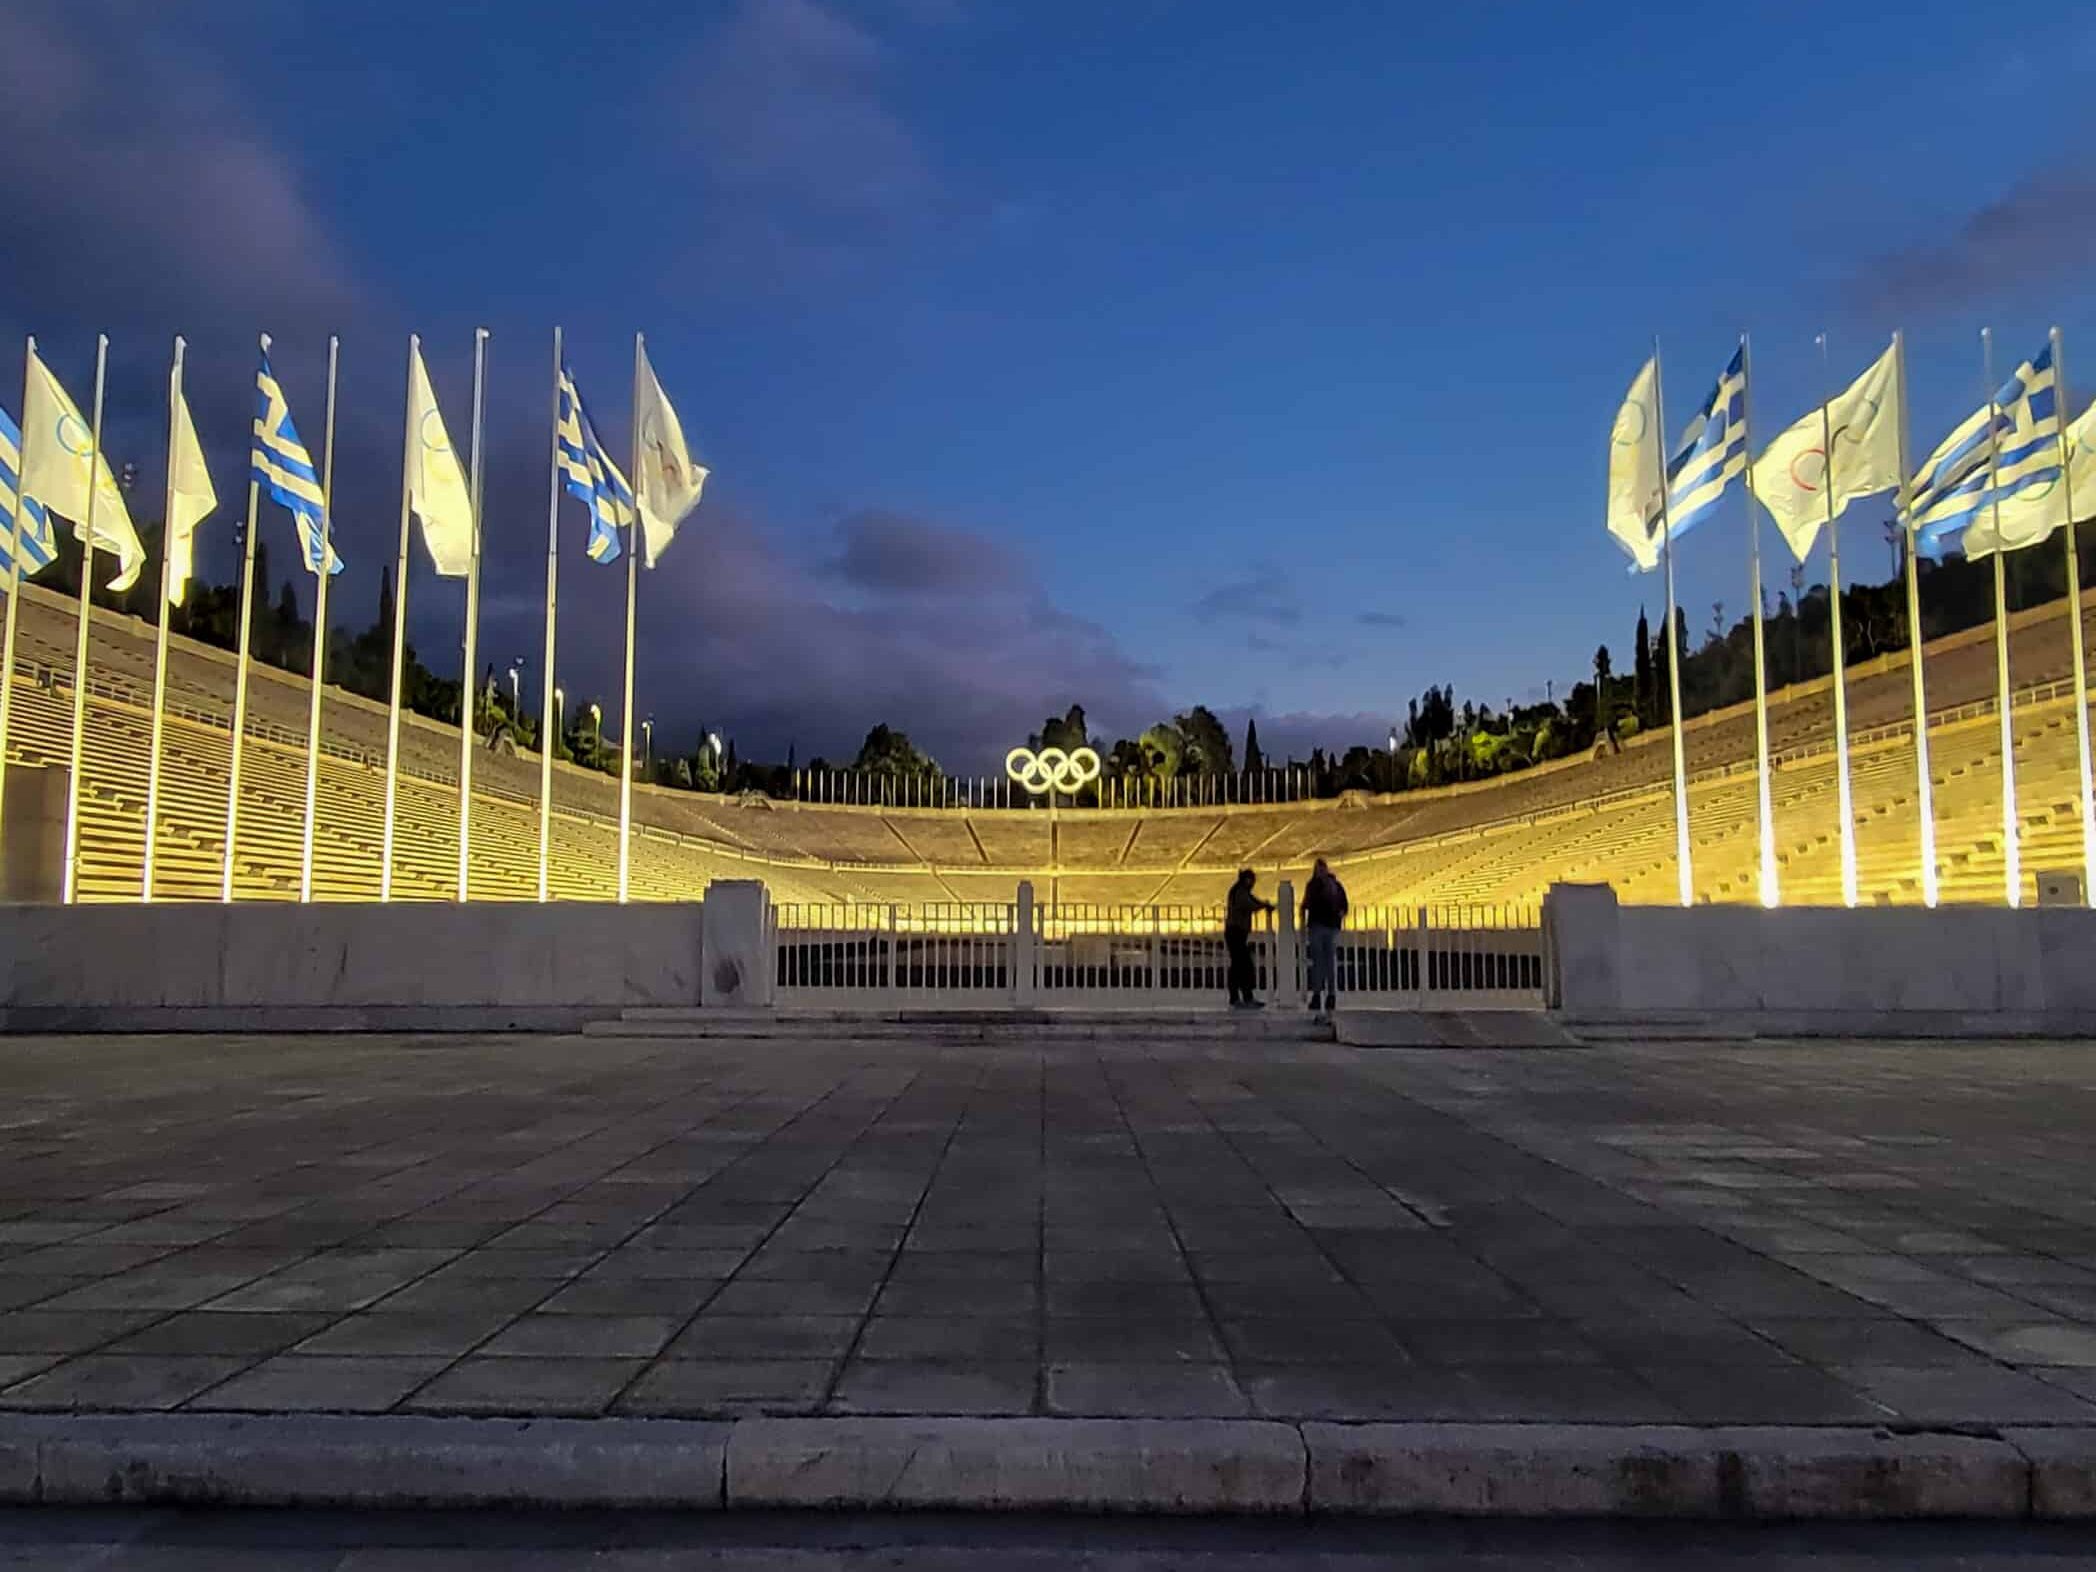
x=1965 y=968
x=486 y=966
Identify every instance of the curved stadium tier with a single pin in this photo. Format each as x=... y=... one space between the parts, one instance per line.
x=1493 y=843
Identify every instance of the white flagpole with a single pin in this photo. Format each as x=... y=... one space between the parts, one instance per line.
x=320 y=600
x=247 y=614
x=87 y=584
x=1771 y=894
x=1836 y=638
x=400 y=626
x=633 y=539
x=2081 y=665
x=469 y=688
x=1924 y=783
x=548 y=723
x=167 y=543
x=2011 y=846
x=1685 y=872
x=14 y=583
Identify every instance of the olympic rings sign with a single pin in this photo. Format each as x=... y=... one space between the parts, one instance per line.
x=1052 y=770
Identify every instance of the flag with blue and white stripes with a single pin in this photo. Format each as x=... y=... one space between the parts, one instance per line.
x=2006 y=447
x=284 y=468
x=590 y=473
x=39 y=544
x=1712 y=452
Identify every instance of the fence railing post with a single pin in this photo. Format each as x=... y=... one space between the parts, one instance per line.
x=1026 y=944
x=1284 y=959
x=1426 y=964
x=895 y=951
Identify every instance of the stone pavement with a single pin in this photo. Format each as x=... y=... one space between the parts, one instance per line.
x=1832 y=1234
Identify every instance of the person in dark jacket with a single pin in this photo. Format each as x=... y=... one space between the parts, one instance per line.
x=1238 y=913
x=1324 y=914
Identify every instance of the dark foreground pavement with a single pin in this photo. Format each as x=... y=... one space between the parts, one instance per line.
x=1864 y=1239
x=166 y=1541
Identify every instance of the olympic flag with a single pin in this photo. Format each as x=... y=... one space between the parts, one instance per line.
x=666 y=480
x=56 y=446
x=191 y=498
x=1794 y=476
x=436 y=484
x=1634 y=470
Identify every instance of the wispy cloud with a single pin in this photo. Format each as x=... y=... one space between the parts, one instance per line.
x=2042 y=229
x=786 y=108
x=134 y=174
x=1380 y=619
x=900 y=554
x=735 y=633
x=1265 y=595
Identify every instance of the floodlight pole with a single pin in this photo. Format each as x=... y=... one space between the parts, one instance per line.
x=1924 y=784
x=167 y=540
x=320 y=601
x=1685 y=873
x=247 y=618
x=2081 y=665
x=2012 y=851
x=1765 y=807
x=1838 y=641
x=87 y=582
x=469 y=685
x=408 y=438
x=14 y=582
x=549 y=720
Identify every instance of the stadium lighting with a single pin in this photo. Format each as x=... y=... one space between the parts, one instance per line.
x=647 y=745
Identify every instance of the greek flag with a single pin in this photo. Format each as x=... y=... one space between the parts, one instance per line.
x=1712 y=452
x=39 y=546
x=2007 y=447
x=590 y=473
x=284 y=468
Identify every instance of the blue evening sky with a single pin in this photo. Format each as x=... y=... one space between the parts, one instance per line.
x=1138 y=354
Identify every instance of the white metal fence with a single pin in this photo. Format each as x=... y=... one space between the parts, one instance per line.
x=1023 y=952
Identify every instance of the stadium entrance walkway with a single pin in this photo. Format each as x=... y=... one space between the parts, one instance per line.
x=1827 y=1235
x=577 y=1226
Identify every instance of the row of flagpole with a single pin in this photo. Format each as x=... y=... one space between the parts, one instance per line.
x=2002 y=480
x=59 y=467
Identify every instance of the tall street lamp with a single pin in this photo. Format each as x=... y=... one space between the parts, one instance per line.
x=647 y=746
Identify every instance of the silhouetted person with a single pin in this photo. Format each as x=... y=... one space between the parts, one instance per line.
x=1238 y=913
x=1324 y=914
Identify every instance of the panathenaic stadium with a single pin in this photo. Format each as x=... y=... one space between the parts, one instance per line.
x=1489 y=845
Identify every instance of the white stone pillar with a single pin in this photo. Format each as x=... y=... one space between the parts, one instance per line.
x=736 y=960
x=1026 y=946
x=1581 y=957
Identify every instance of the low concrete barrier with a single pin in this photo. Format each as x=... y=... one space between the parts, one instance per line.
x=1873 y=971
x=283 y=967
x=1204 y=1466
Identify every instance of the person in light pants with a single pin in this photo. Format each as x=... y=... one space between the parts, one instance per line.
x=1324 y=914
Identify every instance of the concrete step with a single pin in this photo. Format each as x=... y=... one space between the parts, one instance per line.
x=1275 y=1024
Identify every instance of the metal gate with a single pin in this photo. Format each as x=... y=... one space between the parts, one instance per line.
x=987 y=954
